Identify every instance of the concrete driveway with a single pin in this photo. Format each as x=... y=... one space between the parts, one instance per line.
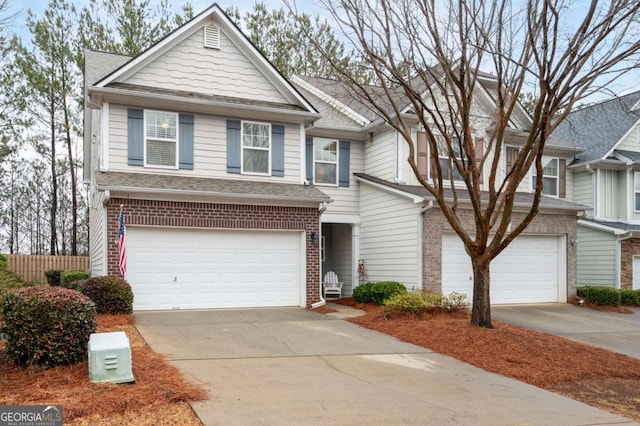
x=292 y=366
x=616 y=332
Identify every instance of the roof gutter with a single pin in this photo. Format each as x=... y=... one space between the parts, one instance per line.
x=201 y=102
x=213 y=194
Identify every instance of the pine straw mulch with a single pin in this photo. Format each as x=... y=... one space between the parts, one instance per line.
x=160 y=394
x=601 y=378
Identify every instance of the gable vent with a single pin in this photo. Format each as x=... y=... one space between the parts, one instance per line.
x=212 y=36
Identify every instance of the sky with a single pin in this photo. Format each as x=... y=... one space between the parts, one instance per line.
x=628 y=83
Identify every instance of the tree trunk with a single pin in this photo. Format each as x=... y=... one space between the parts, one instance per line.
x=481 y=311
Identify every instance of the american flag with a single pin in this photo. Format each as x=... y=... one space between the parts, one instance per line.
x=122 y=251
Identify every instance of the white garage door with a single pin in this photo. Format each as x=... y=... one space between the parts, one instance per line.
x=528 y=271
x=195 y=268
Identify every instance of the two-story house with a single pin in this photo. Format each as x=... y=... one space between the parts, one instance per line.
x=241 y=189
x=606 y=177
x=394 y=227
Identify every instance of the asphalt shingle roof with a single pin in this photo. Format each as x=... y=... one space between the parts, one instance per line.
x=521 y=198
x=209 y=187
x=618 y=225
x=597 y=128
x=99 y=64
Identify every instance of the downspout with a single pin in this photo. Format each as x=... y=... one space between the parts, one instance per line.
x=322 y=301
x=421 y=213
x=594 y=183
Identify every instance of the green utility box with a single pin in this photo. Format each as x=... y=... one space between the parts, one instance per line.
x=110 y=358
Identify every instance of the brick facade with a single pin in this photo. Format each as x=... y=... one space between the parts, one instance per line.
x=218 y=216
x=628 y=249
x=435 y=225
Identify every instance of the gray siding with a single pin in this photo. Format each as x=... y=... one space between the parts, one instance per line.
x=345 y=199
x=631 y=141
x=380 y=156
x=97 y=234
x=210 y=149
x=596 y=257
x=583 y=189
x=191 y=67
x=389 y=234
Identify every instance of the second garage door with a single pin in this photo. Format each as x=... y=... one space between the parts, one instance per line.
x=195 y=268
x=529 y=271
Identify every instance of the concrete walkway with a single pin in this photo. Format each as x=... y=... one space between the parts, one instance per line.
x=616 y=332
x=291 y=366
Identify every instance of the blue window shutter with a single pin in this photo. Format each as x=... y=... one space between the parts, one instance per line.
x=277 y=150
x=185 y=142
x=135 y=136
x=233 y=146
x=309 y=158
x=343 y=163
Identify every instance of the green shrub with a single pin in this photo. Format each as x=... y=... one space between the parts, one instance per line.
x=9 y=281
x=53 y=276
x=600 y=295
x=454 y=301
x=3 y=262
x=111 y=294
x=377 y=293
x=629 y=297
x=47 y=325
x=67 y=277
x=431 y=298
x=77 y=285
x=404 y=304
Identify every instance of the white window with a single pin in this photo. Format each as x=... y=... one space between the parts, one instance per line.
x=636 y=191
x=325 y=162
x=161 y=139
x=256 y=147
x=550 y=176
x=446 y=162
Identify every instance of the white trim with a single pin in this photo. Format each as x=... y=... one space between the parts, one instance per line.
x=557 y=177
x=303 y=269
x=339 y=106
x=185 y=30
x=630 y=177
x=340 y=218
x=615 y=146
x=355 y=255
x=601 y=227
x=399 y=157
x=104 y=138
x=636 y=175
x=562 y=269
x=242 y=148
x=415 y=198
x=303 y=155
x=598 y=205
x=105 y=241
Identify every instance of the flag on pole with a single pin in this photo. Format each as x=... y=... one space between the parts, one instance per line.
x=122 y=252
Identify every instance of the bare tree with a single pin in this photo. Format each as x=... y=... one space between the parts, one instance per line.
x=428 y=57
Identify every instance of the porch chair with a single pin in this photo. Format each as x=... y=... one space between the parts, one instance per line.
x=331 y=285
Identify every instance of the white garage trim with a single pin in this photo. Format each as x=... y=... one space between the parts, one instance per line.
x=195 y=268
x=531 y=270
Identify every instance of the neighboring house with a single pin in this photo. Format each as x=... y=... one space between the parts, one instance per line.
x=606 y=177
x=242 y=189
x=391 y=223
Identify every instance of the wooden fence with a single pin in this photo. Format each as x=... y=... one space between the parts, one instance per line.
x=32 y=267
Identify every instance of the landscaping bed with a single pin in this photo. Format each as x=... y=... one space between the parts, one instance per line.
x=160 y=394
x=601 y=378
